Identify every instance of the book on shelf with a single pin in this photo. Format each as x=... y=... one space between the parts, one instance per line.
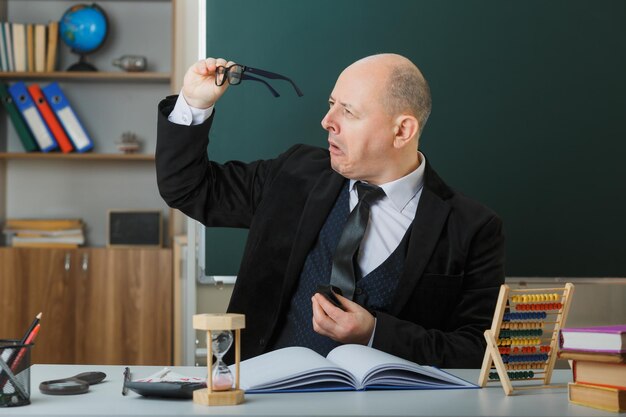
x=4 y=64
x=43 y=233
x=31 y=116
x=583 y=355
x=42 y=224
x=77 y=239
x=51 y=50
x=69 y=120
x=52 y=123
x=19 y=47
x=22 y=130
x=603 y=398
x=8 y=44
x=30 y=47
x=595 y=338
x=40 y=47
x=345 y=368
x=49 y=245
x=600 y=373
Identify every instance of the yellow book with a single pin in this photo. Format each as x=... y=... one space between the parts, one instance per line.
x=612 y=375
x=582 y=355
x=57 y=245
x=53 y=39
x=72 y=233
x=40 y=48
x=30 y=47
x=604 y=398
x=42 y=224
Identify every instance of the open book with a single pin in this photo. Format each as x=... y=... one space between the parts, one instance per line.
x=347 y=367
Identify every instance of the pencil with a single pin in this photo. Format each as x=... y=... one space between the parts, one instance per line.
x=18 y=360
x=32 y=327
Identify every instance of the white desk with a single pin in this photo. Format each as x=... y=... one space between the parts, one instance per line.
x=106 y=399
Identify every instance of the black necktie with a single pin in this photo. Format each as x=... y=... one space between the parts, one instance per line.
x=342 y=276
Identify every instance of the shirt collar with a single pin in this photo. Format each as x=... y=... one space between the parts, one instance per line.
x=402 y=190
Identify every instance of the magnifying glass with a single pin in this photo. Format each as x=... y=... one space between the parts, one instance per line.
x=77 y=384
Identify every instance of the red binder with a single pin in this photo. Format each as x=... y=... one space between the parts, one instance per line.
x=52 y=122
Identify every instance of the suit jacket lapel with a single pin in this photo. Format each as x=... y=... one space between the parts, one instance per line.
x=316 y=210
x=430 y=218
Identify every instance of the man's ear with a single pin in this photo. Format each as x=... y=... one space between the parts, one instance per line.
x=406 y=129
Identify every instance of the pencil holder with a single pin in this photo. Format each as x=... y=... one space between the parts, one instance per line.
x=14 y=373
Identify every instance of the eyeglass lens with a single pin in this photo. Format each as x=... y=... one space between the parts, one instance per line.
x=233 y=74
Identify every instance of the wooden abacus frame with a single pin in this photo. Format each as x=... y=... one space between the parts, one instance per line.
x=555 y=310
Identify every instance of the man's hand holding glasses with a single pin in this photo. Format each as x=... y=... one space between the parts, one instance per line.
x=199 y=85
x=207 y=80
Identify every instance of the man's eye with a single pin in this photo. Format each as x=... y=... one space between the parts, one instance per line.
x=347 y=112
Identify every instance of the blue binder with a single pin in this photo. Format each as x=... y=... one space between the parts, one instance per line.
x=31 y=116
x=70 y=122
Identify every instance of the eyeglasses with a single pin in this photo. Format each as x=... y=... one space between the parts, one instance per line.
x=236 y=73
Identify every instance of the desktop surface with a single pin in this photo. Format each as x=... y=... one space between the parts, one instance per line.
x=106 y=399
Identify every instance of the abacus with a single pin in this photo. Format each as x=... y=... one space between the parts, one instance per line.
x=523 y=340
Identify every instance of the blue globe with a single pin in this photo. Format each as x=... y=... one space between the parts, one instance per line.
x=84 y=28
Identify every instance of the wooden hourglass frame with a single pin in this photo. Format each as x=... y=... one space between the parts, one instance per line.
x=523 y=340
x=220 y=322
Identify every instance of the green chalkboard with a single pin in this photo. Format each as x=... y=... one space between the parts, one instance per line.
x=529 y=108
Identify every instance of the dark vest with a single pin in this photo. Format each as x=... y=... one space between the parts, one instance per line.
x=374 y=291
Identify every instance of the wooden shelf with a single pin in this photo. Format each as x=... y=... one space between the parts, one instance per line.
x=88 y=156
x=89 y=76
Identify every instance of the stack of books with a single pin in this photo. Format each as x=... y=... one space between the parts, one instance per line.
x=48 y=233
x=28 y=47
x=598 y=357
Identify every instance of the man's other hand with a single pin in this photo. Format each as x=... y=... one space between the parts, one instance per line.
x=354 y=325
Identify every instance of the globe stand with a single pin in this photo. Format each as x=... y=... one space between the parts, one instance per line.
x=82 y=64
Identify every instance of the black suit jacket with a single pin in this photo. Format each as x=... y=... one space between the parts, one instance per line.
x=454 y=265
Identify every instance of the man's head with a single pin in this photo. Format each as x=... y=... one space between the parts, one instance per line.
x=378 y=109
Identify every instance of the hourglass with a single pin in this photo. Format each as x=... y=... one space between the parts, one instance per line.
x=219 y=390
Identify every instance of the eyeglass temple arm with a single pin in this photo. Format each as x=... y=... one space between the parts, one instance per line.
x=274 y=76
x=245 y=76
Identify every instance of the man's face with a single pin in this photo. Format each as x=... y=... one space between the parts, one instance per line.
x=360 y=131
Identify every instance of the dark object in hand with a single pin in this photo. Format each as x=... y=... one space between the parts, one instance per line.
x=330 y=293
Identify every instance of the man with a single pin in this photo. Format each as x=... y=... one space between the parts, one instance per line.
x=430 y=263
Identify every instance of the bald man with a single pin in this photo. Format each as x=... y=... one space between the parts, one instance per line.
x=429 y=266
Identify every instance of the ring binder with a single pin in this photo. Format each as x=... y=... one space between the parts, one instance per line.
x=31 y=116
x=70 y=122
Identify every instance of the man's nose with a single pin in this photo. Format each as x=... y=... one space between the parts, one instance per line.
x=328 y=122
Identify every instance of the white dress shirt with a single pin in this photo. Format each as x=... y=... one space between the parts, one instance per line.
x=390 y=217
x=184 y=114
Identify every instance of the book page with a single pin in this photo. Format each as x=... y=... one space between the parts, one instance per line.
x=288 y=368
x=374 y=367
